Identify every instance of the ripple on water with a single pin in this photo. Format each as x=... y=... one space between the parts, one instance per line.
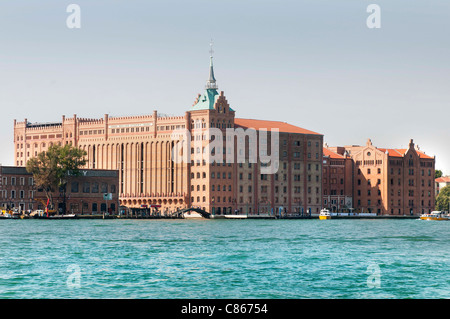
x=222 y=259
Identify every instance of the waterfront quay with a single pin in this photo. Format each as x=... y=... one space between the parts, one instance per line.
x=220 y=217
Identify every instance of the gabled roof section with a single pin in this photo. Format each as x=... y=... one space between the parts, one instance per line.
x=392 y=152
x=443 y=179
x=423 y=155
x=331 y=154
x=263 y=124
x=206 y=100
x=400 y=152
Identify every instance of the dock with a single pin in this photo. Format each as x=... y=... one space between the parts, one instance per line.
x=243 y=216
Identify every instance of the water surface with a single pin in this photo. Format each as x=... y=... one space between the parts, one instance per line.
x=224 y=259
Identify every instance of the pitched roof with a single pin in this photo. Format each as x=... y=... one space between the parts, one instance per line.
x=399 y=152
x=263 y=124
x=443 y=179
x=391 y=152
x=331 y=154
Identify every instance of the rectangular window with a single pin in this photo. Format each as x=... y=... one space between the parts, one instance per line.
x=86 y=187
x=74 y=187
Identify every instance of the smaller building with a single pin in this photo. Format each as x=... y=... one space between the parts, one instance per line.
x=337 y=181
x=441 y=182
x=391 y=181
x=16 y=189
x=94 y=191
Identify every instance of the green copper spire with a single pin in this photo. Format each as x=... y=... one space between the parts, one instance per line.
x=207 y=100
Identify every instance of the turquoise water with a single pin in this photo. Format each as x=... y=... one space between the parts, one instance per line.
x=224 y=259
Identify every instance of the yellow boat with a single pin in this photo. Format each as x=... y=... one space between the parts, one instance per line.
x=325 y=214
x=435 y=215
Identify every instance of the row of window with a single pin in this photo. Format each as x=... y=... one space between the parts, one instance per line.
x=43 y=144
x=296 y=166
x=334 y=181
x=410 y=203
x=16 y=194
x=92 y=132
x=13 y=181
x=229 y=200
x=213 y=188
x=92 y=208
x=333 y=192
x=214 y=199
x=202 y=124
x=410 y=182
x=369 y=182
x=92 y=187
x=132 y=129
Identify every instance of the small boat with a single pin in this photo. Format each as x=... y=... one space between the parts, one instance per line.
x=68 y=216
x=192 y=214
x=325 y=214
x=434 y=215
x=4 y=214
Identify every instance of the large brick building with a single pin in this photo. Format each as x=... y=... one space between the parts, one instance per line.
x=140 y=148
x=391 y=181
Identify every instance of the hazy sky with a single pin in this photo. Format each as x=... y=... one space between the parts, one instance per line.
x=311 y=63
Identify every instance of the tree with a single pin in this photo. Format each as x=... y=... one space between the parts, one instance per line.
x=52 y=168
x=437 y=173
x=443 y=199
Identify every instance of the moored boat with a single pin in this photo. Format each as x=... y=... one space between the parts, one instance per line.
x=8 y=214
x=192 y=214
x=434 y=215
x=325 y=214
x=68 y=216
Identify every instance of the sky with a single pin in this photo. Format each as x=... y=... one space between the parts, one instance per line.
x=312 y=63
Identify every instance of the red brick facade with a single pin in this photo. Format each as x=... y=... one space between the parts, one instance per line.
x=84 y=194
x=337 y=181
x=391 y=181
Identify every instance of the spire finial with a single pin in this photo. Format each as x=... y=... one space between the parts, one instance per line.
x=211 y=83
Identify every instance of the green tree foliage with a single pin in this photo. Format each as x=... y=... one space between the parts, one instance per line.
x=437 y=173
x=52 y=168
x=443 y=199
